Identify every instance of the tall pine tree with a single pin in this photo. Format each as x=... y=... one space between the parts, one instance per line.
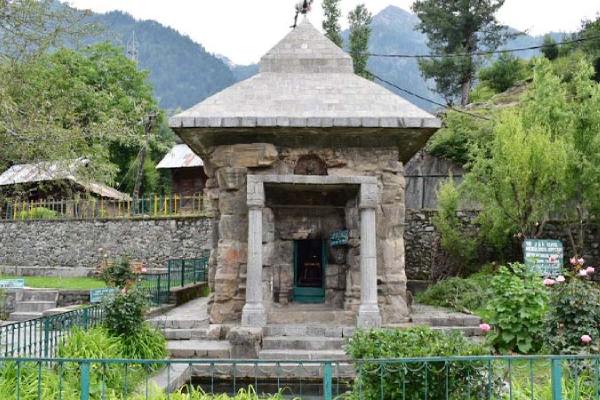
x=458 y=26
x=360 y=32
x=331 y=24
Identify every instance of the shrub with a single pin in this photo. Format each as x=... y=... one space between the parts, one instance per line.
x=517 y=309
x=118 y=274
x=124 y=312
x=146 y=343
x=410 y=380
x=503 y=73
x=461 y=294
x=573 y=311
x=37 y=213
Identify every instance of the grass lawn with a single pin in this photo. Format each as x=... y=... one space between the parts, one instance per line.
x=54 y=282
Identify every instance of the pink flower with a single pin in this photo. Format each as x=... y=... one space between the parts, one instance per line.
x=144 y=270
x=485 y=328
x=560 y=279
x=581 y=261
x=586 y=339
x=573 y=261
x=553 y=258
x=583 y=272
x=549 y=282
x=590 y=270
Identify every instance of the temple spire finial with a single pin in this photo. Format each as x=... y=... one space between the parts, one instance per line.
x=303 y=7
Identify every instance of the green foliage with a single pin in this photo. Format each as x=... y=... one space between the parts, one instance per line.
x=145 y=343
x=574 y=311
x=124 y=312
x=481 y=93
x=468 y=295
x=331 y=21
x=408 y=343
x=550 y=49
x=503 y=73
x=516 y=310
x=457 y=27
x=37 y=213
x=95 y=343
x=119 y=274
x=360 y=32
x=459 y=136
x=23 y=379
x=198 y=394
x=456 y=238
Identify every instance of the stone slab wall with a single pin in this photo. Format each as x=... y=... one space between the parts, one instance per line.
x=76 y=244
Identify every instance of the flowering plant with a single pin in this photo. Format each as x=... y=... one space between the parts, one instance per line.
x=573 y=319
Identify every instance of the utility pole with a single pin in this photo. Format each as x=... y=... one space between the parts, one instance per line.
x=132 y=48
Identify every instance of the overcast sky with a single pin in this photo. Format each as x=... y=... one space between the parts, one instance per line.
x=244 y=30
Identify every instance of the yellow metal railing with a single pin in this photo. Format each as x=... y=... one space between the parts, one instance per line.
x=153 y=206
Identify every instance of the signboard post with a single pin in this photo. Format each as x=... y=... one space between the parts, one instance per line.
x=544 y=257
x=97 y=295
x=12 y=283
x=339 y=238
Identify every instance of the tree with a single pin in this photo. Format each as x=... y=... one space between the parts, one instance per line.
x=360 y=32
x=331 y=24
x=503 y=73
x=458 y=26
x=550 y=49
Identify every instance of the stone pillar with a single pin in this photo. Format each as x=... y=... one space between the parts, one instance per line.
x=368 y=311
x=253 y=313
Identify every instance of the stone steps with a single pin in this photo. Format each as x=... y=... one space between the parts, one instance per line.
x=24 y=316
x=209 y=333
x=304 y=355
x=202 y=349
x=447 y=321
x=34 y=306
x=317 y=317
x=308 y=330
x=302 y=343
x=39 y=295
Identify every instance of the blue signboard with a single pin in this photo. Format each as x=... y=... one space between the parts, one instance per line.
x=339 y=238
x=97 y=295
x=12 y=284
x=544 y=257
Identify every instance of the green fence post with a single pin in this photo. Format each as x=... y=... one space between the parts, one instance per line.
x=327 y=381
x=182 y=272
x=556 y=379
x=158 y=290
x=169 y=276
x=85 y=318
x=46 y=336
x=85 y=381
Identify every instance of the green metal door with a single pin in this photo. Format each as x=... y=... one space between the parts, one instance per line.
x=309 y=280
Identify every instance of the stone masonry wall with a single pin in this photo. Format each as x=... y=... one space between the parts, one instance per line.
x=76 y=244
x=421 y=239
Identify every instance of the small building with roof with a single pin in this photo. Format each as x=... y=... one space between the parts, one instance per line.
x=186 y=169
x=54 y=179
x=305 y=177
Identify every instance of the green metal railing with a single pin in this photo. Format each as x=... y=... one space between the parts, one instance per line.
x=40 y=337
x=436 y=378
x=180 y=273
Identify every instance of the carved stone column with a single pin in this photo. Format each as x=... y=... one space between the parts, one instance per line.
x=368 y=311
x=253 y=313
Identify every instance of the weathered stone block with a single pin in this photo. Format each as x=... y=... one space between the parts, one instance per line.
x=245 y=342
x=245 y=155
x=231 y=178
x=233 y=227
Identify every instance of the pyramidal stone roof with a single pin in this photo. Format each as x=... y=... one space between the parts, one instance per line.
x=305 y=81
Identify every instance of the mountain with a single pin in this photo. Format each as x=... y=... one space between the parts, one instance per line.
x=184 y=73
x=181 y=70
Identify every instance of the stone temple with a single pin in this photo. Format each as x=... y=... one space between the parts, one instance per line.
x=305 y=176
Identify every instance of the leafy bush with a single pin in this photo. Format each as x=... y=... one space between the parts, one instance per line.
x=118 y=274
x=457 y=240
x=503 y=73
x=517 y=309
x=124 y=312
x=461 y=294
x=573 y=311
x=411 y=381
x=198 y=394
x=37 y=213
x=146 y=343
x=96 y=343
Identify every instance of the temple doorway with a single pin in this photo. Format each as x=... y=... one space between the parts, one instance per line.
x=310 y=263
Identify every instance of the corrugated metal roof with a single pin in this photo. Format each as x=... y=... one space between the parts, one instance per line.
x=180 y=156
x=54 y=171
